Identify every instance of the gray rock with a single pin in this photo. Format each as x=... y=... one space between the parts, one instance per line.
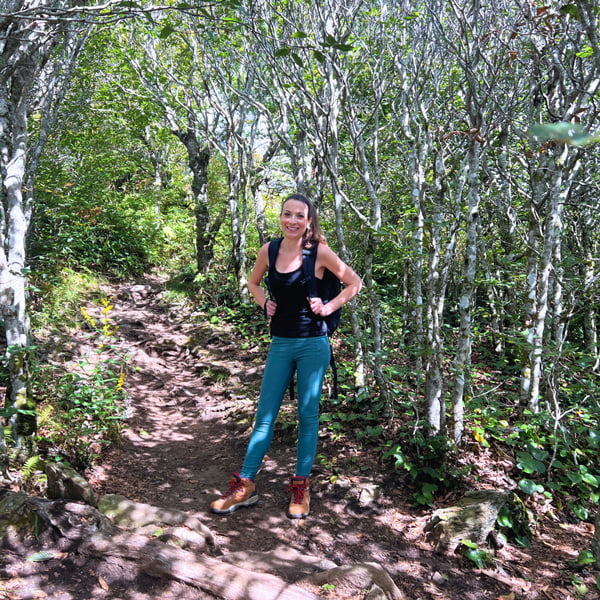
x=173 y=526
x=65 y=483
x=473 y=518
x=15 y=514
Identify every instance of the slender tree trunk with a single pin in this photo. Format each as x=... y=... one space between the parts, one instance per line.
x=437 y=282
x=589 y=275
x=198 y=161
x=238 y=234
x=13 y=304
x=539 y=301
x=462 y=360
x=418 y=186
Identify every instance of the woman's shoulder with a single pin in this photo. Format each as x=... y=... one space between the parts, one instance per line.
x=324 y=249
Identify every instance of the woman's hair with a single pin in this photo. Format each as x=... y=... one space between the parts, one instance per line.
x=313 y=233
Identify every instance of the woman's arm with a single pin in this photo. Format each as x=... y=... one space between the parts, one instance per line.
x=328 y=259
x=261 y=266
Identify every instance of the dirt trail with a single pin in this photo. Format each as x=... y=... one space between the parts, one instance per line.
x=183 y=439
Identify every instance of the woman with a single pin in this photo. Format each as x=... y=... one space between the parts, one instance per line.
x=299 y=341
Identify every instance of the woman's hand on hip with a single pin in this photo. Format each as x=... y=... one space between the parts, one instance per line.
x=317 y=306
x=270 y=307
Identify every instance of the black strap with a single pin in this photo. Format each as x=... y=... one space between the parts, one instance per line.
x=309 y=259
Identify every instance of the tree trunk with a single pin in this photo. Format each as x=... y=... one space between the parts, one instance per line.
x=13 y=232
x=462 y=360
x=198 y=160
x=238 y=234
x=539 y=277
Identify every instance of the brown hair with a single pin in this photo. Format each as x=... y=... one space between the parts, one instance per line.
x=313 y=233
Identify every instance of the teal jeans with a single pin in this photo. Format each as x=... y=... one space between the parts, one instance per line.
x=310 y=356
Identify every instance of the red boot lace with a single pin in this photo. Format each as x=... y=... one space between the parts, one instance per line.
x=234 y=486
x=298 y=490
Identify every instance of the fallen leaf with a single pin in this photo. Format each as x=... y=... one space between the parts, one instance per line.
x=103 y=583
x=41 y=556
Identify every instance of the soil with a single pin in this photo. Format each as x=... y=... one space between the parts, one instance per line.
x=192 y=388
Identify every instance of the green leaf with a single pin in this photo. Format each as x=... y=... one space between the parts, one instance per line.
x=297 y=59
x=505 y=520
x=590 y=479
x=566 y=133
x=580 y=511
x=527 y=463
x=282 y=52
x=571 y=10
x=166 y=31
x=530 y=487
x=480 y=557
x=319 y=56
x=585 y=53
x=586 y=557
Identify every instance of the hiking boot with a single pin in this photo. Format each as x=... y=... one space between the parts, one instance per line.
x=300 y=501
x=241 y=493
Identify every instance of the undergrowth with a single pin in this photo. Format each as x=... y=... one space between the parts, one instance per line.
x=83 y=402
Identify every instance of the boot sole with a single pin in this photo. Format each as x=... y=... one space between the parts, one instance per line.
x=245 y=504
x=303 y=516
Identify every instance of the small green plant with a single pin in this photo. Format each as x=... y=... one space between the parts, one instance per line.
x=476 y=555
x=580 y=588
x=427 y=460
x=513 y=521
x=89 y=402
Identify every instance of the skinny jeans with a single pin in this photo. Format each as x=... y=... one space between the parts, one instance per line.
x=310 y=356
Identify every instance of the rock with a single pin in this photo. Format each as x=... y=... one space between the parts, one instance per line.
x=375 y=593
x=474 y=518
x=368 y=494
x=360 y=577
x=16 y=515
x=65 y=483
x=174 y=526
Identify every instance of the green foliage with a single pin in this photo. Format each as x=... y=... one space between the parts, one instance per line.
x=57 y=300
x=216 y=297
x=556 y=457
x=427 y=460
x=513 y=522
x=87 y=404
x=113 y=236
x=476 y=555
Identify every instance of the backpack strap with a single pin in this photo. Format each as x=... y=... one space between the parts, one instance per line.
x=309 y=259
x=273 y=252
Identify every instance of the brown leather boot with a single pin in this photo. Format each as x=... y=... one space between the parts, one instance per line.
x=300 y=502
x=241 y=493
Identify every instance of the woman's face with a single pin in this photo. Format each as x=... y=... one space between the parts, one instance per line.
x=294 y=218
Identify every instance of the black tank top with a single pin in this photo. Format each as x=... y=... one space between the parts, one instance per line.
x=293 y=318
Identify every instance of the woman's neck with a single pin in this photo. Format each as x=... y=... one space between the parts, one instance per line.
x=292 y=245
